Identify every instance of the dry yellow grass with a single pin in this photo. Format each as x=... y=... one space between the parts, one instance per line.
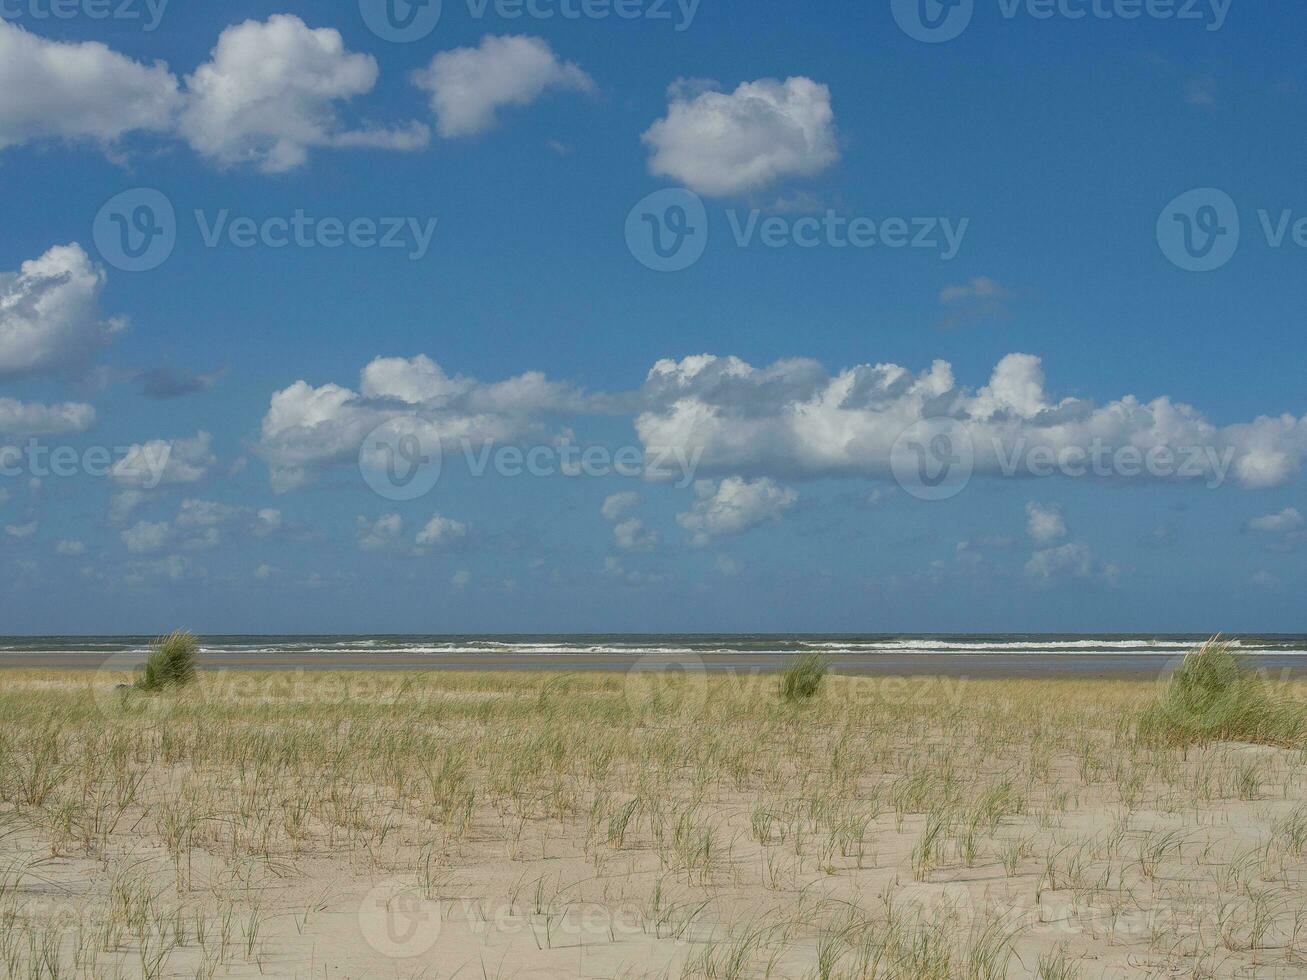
x=513 y=825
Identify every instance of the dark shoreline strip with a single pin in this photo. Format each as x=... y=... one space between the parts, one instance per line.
x=1132 y=666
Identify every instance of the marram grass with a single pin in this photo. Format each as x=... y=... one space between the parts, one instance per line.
x=1215 y=696
x=802 y=679
x=171 y=662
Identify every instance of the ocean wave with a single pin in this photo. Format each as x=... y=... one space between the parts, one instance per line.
x=686 y=646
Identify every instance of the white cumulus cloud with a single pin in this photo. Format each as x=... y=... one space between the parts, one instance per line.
x=145 y=537
x=51 y=90
x=794 y=420
x=50 y=321
x=1284 y=522
x=25 y=530
x=269 y=94
x=469 y=86
x=379 y=534
x=1045 y=524
x=1071 y=561
x=441 y=532
x=632 y=535
x=123 y=504
x=147 y=465
x=267 y=521
x=979 y=288
x=307 y=429
x=34 y=419
x=719 y=143
x=205 y=513
x=629 y=533
x=619 y=503
x=734 y=506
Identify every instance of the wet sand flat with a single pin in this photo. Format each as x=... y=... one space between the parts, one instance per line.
x=993 y=666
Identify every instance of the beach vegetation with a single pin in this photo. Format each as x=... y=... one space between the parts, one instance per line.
x=171 y=663
x=1214 y=695
x=803 y=678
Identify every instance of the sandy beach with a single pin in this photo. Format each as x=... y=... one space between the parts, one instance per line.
x=653 y=490
x=647 y=824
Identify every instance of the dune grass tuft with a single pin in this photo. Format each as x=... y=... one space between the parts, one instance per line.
x=1214 y=696
x=803 y=678
x=171 y=662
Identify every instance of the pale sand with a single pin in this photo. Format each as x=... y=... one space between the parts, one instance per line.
x=506 y=825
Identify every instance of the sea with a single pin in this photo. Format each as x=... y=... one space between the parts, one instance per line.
x=626 y=645
x=1018 y=654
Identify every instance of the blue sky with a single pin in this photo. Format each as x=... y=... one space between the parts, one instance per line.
x=1056 y=147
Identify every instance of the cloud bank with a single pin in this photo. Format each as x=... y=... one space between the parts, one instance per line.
x=270 y=92
x=794 y=420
